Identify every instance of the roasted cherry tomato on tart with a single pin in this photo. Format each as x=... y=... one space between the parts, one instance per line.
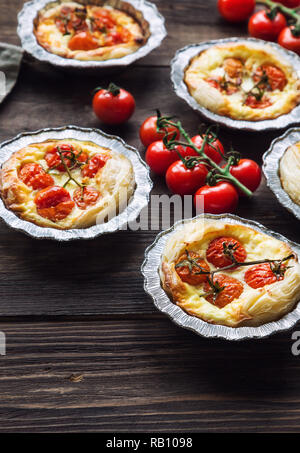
x=224 y=251
x=263 y=26
x=83 y=41
x=159 y=157
x=94 y=164
x=85 y=197
x=185 y=181
x=276 y=79
x=236 y=10
x=229 y=289
x=33 y=175
x=54 y=203
x=188 y=267
x=261 y=275
x=218 y=199
x=214 y=150
x=149 y=132
x=64 y=155
x=114 y=105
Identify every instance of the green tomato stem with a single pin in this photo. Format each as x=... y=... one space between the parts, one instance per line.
x=223 y=172
x=292 y=13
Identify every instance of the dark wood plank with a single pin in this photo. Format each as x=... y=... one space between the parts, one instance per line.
x=144 y=375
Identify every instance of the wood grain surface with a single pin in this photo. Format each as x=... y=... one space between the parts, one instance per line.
x=80 y=308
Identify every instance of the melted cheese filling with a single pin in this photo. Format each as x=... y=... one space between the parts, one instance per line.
x=290 y=172
x=209 y=64
x=254 y=306
x=52 y=39
x=114 y=181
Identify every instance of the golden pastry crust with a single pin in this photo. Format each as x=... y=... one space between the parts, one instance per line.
x=289 y=169
x=50 y=36
x=230 y=96
x=114 y=182
x=253 y=307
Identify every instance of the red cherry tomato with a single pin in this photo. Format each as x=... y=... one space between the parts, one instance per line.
x=211 y=150
x=215 y=252
x=33 y=175
x=262 y=27
x=83 y=41
x=236 y=10
x=94 y=164
x=218 y=199
x=184 y=181
x=290 y=3
x=149 y=134
x=159 y=158
x=260 y=275
x=188 y=275
x=248 y=173
x=53 y=159
x=114 y=105
x=103 y=19
x=276 y=77
x=232 y=289
x=289 y=41
x=255 y=103
x=87 y=197
x=54 y=203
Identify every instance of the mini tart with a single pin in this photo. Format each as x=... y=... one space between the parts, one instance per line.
x=114 y=182
x=225 y=89
x=289 y=169
x=253 y=307
x=111 y=38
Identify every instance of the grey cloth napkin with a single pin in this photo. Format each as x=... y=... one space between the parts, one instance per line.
x=10 y=61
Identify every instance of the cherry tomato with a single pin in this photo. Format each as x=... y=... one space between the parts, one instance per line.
x=289 y=41
x=149 y=134
x=34 y=175
x=87 y=197
x=159 y=158
x=190 y=276
x=52 y=157
x=276 y=77
x=184 y=181
x=54 y=203
x=290 y=3
x=255 y=103
x=117 y=37
x=260 y=275
x=236 y=10
x=71 y=20
x=212 y=150
x=94 y=164
x=103 y=19
x=223 y=197
x=248 y=173
x=215 y=252
x=262 y=27
x=83 y=41
x=114 y=105
x=232 y=289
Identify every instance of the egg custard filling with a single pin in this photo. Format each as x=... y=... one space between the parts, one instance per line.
x=289 y=170
x=87 y=32
x=230 y=274
x=66 y=183
x=243 y=81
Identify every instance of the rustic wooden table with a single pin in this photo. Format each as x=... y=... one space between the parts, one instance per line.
x=80 y=308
